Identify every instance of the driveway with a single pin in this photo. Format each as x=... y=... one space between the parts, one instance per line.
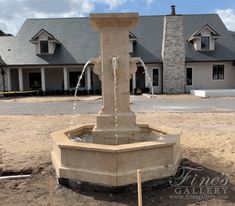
x=138 y=104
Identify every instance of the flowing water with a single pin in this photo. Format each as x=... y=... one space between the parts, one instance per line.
x=115 y=79
x=75 y=93
x=148 y=77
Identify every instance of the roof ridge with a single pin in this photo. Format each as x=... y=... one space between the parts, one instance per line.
x=86 y=17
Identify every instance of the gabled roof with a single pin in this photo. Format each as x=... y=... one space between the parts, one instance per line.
x=197 y=33
x=34 y=39
x=79 y=41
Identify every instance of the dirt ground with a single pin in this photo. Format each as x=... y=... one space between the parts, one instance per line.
x=208 y=141
x=50 y=98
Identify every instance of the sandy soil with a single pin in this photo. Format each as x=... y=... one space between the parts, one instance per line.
x=49 y=99
x=208 y=140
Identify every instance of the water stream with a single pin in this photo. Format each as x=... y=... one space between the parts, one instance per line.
x=149 y=81
x=115 y=79
x=75 y=93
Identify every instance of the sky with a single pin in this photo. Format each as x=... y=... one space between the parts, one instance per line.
x=14 y=12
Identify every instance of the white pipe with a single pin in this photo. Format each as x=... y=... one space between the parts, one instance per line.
x=14 y=177
x=139 y=184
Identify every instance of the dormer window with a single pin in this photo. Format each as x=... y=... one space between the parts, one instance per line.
x=204 y=39
x=44 y=49
x=45 y=42
x=205 y=43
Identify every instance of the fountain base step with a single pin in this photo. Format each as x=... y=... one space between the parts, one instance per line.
x=114 y=165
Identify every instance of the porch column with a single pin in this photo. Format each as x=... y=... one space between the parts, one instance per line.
x=43 y=79
x=9 y=79
x=65 y=71
x=88 y=74
x=133 y=82
x=20 y=75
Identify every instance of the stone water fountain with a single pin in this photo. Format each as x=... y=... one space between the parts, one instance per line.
x=119 y=146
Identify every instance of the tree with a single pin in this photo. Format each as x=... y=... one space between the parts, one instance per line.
x=4 y=34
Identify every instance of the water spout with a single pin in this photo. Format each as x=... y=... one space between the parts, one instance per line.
x=147 y=75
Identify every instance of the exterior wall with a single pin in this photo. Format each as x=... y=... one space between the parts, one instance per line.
x=173 y=55
x=202 y=76
x=54 y=78
x=157 y=89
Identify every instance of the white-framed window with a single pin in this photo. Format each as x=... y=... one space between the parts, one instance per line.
x=44 y=47
x=205 y=43
x=218 y=72
x=155 y=77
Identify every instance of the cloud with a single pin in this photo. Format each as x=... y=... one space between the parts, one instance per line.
x=112 y=3
x=150 y=1
x=14 y=12
x=228 y=17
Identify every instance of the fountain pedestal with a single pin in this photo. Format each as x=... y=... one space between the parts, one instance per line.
x=114 y=36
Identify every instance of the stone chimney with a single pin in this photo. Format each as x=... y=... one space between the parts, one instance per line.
x=173 y=13
x=173 y=54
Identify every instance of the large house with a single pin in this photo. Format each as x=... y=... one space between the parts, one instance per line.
x=181 y=52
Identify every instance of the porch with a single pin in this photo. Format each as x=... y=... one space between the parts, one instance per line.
x=50 y=78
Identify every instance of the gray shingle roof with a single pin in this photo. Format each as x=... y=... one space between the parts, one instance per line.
x=79 y=41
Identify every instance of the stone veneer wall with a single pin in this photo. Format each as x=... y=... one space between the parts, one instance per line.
x=173 y=55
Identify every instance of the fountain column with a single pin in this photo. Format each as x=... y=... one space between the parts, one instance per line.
x=114 y=33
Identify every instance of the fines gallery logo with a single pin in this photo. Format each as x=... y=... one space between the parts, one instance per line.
x=189 y=183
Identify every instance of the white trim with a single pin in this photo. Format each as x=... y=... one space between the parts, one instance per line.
x=133 y=82
x=43 y=80
x=88 y=78
x=65 y=74
x=9 y=79
x=20 y=76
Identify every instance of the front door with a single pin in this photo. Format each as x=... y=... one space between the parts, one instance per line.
x=35 y=80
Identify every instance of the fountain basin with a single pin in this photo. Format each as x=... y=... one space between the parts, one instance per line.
x=115 y=165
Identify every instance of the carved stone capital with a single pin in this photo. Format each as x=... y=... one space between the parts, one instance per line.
x=133 y=67
x=97 y=66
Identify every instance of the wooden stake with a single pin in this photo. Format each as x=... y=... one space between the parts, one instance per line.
x=50 y=189
x=139 y=184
